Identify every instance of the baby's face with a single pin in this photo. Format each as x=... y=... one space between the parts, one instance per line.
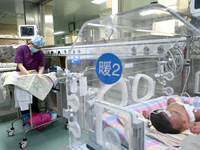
x=177 y=122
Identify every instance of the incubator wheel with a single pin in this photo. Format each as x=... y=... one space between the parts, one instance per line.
x=11 y=131
x=89 y=147
x=67 y=125
x=23 y=143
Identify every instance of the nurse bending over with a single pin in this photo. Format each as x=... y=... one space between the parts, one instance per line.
x=31 y=57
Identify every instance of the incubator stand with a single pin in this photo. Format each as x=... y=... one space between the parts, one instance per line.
x=144 y=44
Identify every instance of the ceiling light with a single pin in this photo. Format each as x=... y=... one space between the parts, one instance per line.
x=156 y=33
x=163 y=34
x=141 y=30
x=59 y=33
x=48 y=18
x=152 y=11
x=172 y=7
x=96 y=25
x=99 y=1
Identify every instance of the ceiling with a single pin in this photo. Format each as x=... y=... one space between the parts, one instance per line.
x=64 y=11
x=10 y=10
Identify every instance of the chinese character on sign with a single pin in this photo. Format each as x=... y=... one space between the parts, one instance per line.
x=109 y=68
x=104 y=68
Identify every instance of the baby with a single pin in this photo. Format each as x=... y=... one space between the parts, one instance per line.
x=176 y=118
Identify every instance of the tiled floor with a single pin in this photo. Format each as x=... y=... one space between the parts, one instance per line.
x=52 y=137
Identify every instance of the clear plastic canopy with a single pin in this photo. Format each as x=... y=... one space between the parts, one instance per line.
x=153 y=21
x=144 y=43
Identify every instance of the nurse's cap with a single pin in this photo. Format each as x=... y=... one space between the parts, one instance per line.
x=38 y=40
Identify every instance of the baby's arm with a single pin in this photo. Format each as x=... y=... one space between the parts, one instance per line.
x=146 y=114
x=194 y=127
x=170 y=101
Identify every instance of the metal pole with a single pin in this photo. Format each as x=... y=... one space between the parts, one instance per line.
x=187 y=64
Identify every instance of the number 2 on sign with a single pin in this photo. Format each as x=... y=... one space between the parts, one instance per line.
x=114 y=72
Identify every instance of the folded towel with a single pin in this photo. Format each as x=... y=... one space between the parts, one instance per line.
x=22 y=98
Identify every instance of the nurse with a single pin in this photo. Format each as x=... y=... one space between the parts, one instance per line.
x=31 y=57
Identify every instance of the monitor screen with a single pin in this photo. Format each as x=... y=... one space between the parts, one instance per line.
x=197 y=4
x=27 y=31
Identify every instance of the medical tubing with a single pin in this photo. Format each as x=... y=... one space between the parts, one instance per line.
x=163 y=141
x=170 y=68
x=87 y=69
x=182 y=61
x=187 y=95
x=169 y=50
x=157 y=133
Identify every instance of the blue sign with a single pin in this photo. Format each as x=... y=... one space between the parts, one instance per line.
x=109 y=68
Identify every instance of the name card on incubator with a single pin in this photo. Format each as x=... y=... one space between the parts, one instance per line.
x=108 y=68
x=83 y=86
x=129 y=65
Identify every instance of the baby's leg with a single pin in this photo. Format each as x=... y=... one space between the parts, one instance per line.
x=146 y=114
x=170 y=101
x=195 y=129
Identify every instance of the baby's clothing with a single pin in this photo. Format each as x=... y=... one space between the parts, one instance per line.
x=189 y=109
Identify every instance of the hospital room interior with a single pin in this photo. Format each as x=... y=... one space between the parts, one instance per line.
x=100 y=74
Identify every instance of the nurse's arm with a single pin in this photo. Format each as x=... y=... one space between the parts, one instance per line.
x=41 y=69
x=22 y=69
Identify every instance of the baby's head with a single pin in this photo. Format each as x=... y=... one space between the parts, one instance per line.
x=166 y=122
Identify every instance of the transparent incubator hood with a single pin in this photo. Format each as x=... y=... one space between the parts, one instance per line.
x=152 y=21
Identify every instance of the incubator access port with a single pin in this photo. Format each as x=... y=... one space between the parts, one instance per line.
x=146 y=50
x=133 y=49
x=160 y=49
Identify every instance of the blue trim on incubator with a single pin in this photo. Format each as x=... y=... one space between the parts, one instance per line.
x=75 y=61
